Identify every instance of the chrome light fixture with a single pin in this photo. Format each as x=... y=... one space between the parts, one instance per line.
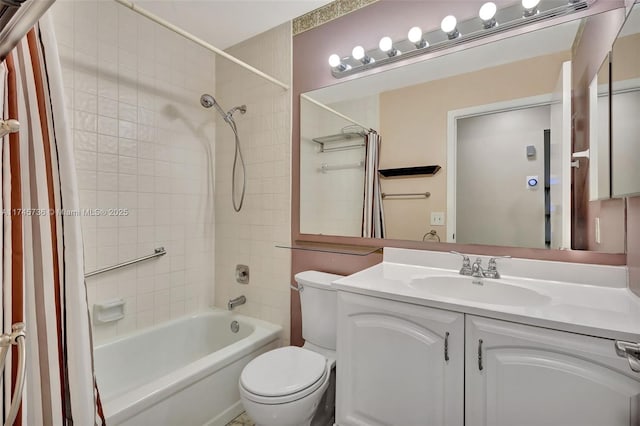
x=530 y=7
x=386 y=45
x=415 y=36
x=336 y=63
x=488 y=15
x=449 y=26
x=452 y=32
x=359 y=54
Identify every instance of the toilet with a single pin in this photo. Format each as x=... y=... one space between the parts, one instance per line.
x=294 y=386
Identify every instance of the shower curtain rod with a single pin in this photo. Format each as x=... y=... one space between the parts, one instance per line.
x=199 y=41
x=333 y=111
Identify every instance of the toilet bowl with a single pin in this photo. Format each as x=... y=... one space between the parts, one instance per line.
x=293 y=386
x=284 y=387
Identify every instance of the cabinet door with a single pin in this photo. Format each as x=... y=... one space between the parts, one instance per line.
x=529 y=376
x=391 y=366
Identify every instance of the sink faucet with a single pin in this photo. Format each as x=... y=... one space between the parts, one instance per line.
x=476 y=269
x=240 y=300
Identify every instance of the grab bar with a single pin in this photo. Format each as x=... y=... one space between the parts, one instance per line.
x=160 y=251
x=326 y=167
x=408 y=194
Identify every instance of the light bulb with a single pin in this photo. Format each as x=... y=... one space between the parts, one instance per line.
x=334 y=61
x=415 y=35
x=488 y=11
x=358 y=53
x=530 y=4
x=530 y=7
x=386 y=44
x=448 y=24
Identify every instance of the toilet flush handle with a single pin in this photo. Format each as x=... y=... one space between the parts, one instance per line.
x=299 y=289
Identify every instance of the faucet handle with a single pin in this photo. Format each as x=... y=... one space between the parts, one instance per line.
x=466 y=263
x=492 y=269
x=492 y=262
x=465 y=258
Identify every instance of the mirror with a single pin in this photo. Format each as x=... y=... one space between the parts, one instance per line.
x=600 y=134
x=472 y=150
x=625 y=126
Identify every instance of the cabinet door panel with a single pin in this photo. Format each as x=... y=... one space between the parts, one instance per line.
x=534 y=377
x=391 y=364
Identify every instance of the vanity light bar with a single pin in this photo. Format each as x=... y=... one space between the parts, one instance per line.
x=489 y=21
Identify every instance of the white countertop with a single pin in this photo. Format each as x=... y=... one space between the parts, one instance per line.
x=576 y=304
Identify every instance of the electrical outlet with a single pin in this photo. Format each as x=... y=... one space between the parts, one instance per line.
x=437 y=218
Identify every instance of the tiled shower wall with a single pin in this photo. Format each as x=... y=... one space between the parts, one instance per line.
x=143 y=143
x=250 y=236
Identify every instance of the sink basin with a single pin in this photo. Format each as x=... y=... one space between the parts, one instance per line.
x=496 y=292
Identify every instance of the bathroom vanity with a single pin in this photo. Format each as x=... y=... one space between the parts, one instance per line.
x=420 y=344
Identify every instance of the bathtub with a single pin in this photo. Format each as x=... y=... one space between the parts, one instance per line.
x=181 y=373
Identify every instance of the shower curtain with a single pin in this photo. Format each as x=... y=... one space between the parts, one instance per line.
x=42 y=256
x=373 y=213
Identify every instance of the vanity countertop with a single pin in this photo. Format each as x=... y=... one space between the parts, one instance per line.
x=587 y=299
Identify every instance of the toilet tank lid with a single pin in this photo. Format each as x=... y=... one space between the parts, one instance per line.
x=317 y=279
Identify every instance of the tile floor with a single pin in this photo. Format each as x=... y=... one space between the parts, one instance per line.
x=242 y=420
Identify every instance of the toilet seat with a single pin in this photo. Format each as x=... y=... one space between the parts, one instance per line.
x=283 y=375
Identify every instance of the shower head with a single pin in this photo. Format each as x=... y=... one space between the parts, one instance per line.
x=207 y=100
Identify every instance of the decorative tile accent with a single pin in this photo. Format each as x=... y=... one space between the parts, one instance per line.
x=347 y=6
x=304 y=23
x=327 y=13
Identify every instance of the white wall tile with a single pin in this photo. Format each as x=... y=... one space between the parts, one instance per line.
x=249 y=237
x=117 y=108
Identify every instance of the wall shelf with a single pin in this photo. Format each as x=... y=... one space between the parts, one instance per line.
x=331 y=248
x=408 y=172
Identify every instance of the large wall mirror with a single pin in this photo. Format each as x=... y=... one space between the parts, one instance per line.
x=475 y=146
x=625 y=117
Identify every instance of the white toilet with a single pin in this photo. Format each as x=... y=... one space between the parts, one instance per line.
x=294 y=386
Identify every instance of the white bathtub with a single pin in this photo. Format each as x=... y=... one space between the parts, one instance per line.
x=181 y=373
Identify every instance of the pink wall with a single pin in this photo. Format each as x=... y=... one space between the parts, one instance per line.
x=633 y=243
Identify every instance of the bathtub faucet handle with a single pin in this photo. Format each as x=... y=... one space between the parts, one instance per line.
x=240 y=300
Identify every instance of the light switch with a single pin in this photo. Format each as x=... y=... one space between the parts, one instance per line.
x=437 y=218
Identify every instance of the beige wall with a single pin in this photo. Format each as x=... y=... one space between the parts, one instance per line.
x=250 y=237
x=415 y=118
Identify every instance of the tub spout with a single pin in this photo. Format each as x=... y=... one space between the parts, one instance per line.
x=240 y=300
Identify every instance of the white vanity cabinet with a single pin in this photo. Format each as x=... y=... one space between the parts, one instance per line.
x=399 y=364
x=392 y=370
x=529 y=376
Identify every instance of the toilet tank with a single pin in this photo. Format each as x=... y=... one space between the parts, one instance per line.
x=318 y=302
